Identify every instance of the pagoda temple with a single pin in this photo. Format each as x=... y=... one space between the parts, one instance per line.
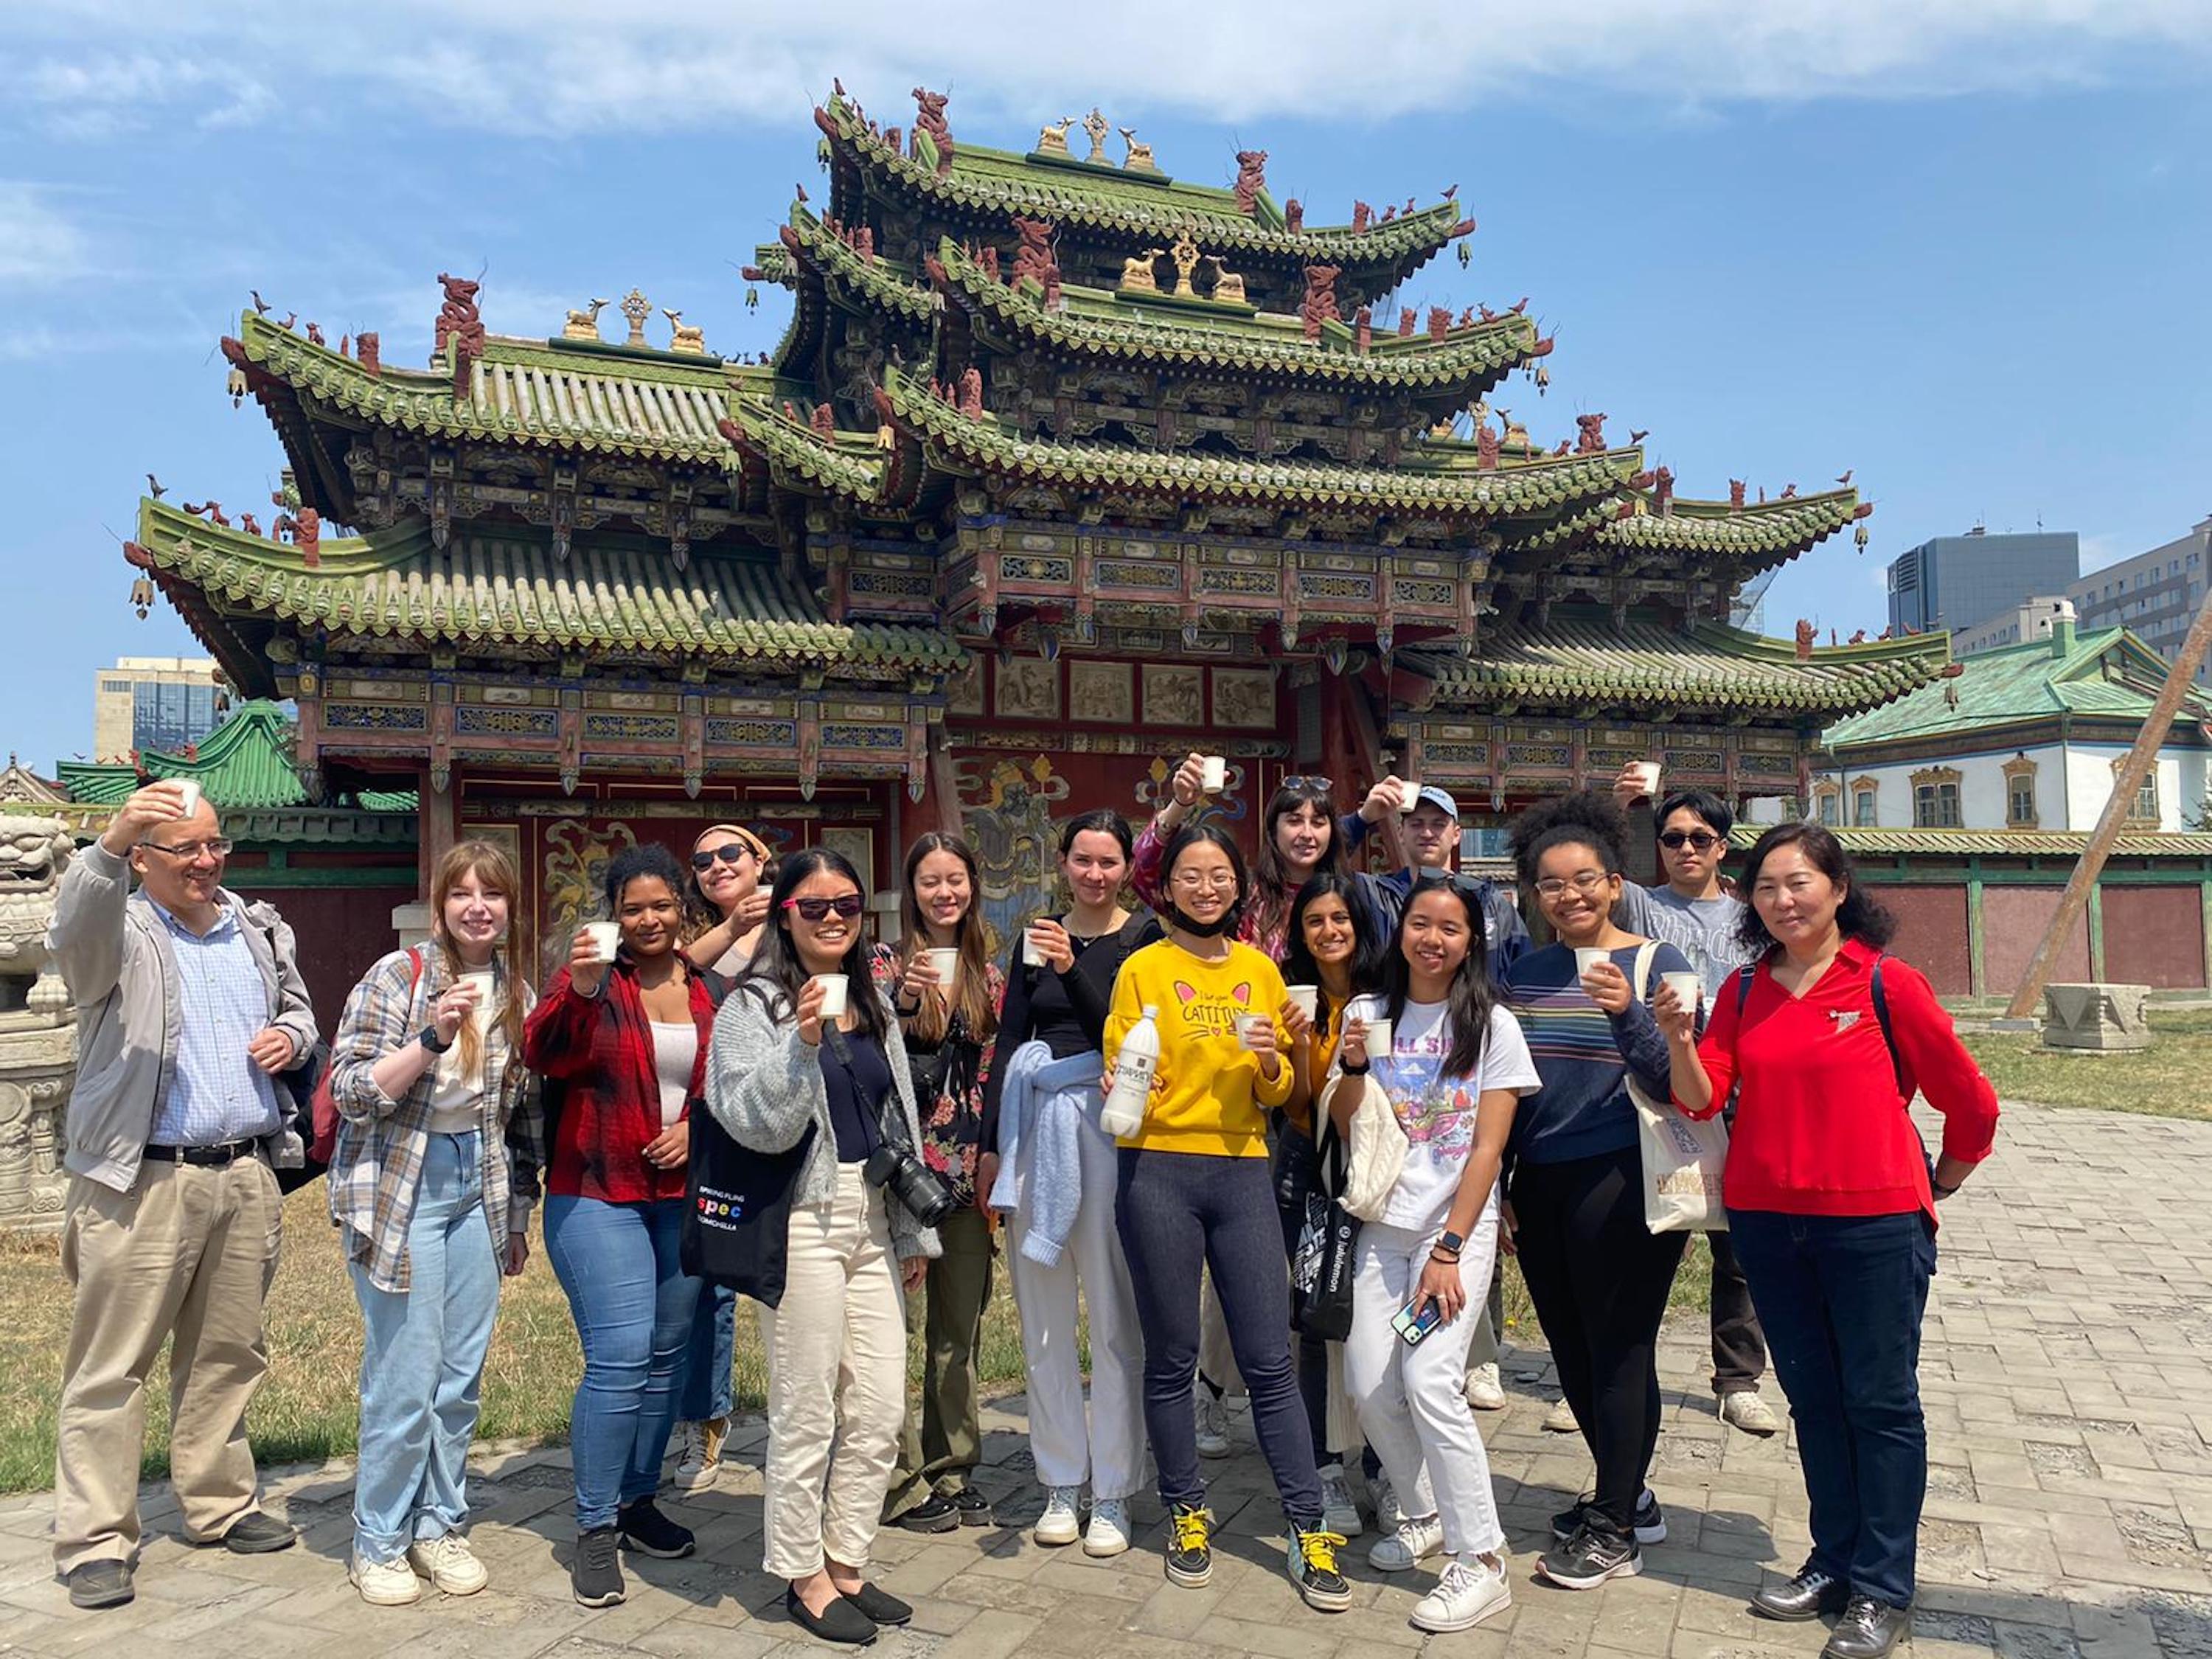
x=1063 y=467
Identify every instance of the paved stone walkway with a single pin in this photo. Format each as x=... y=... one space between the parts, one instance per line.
x=2068 y=1371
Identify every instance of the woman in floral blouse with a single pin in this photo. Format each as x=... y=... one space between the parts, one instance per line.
x=949 y=1029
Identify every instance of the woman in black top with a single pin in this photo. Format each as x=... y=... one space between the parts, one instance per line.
x=1050 y=1169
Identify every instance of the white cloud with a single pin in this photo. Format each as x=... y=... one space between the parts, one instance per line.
x=560 y=67
x=38 y=244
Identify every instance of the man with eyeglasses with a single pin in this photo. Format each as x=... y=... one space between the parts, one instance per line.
x=190 y=1006
x=1692 y=912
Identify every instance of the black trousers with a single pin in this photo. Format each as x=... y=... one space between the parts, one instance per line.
x=1600 y=1279
x=1739 y=1345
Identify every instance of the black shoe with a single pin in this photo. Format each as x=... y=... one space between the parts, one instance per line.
x=256 y=1532
x=1590 y=1558
x=1868 y=1630
x=933 y=1514
x=881 y=1606
x=1312 y=1563
x=1808 y=1596
x=100 y=1584
x=840 y=1621
x=647 y=1530
x=973 y=1508
x=1190 y=1556
x=596 y=1574
x=1650 y=1524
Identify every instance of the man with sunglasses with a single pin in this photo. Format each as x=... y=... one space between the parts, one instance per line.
x=190 y=1008
x=1692 y=912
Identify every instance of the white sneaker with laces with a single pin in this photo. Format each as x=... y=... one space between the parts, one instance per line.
x=1748 y=1411
x=384 y=1583
x=1412 y=1543
x=1561 y=1419
x=1109 y=1527
x=1212 y=1423
x=1485 y=1389
x=449 y=1563
x=1338 y=1514
x=1060 y=1523
x=1388 y=1517
x=699 y=1459
x=1468 y=1593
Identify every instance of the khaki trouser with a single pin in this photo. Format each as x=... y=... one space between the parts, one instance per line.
x=943 y=1441
x=191 y=1251
x=836 y=1383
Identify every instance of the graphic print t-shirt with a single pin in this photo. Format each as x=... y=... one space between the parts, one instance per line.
x=1208 y=1095
x=1437 y=1111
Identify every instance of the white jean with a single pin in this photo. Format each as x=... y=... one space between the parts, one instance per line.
x=1109 y=1450
x=1412 y=1401
x=836 y=1383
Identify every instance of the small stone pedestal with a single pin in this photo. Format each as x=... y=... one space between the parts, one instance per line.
x=2098 y=1019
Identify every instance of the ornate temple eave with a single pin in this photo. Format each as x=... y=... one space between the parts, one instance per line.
x=1753 y=536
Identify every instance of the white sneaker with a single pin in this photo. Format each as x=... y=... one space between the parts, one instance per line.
x=1338 y=1514
x=699 y=1461
x=1485 y=1389
x=1059 y=1524
x=1212 y=1423
x=1388 y=1517
x=1468 y=1593
x=449 y=1563
x=1561 y=1419
x=1412 y=1543
x=384 y=1583
x=1109 y=1527
x=1750 y=1413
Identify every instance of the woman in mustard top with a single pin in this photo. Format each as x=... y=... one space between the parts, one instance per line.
x=1193 y=1190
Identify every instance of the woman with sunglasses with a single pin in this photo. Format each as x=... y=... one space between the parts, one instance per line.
x=623 y=1045
x=949 y=1031
x=1598 y=1276
x=728 y=862
x=1194 y=1191
x=784 y=1075
x=1051 y=1173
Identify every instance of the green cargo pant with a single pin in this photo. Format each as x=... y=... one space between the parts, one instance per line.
x=944 y=1439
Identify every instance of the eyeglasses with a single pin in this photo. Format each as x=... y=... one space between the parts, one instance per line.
x=218 y=848
x=847 y=905
x=1704 y=840
x=1192 y=880
x=1584 y=882
x=730 y=853
x=1309 y=786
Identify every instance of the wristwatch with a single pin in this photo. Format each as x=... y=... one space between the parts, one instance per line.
x=1452 y=1241
x=427 y=1036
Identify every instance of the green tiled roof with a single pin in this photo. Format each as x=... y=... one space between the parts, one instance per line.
x=1761 y=532
x=520 y=391
x=1581 y=658
x=877 y=281
x=798 y=456
x=1095 y=324
x=1972 y=843
x=247 y=761
x=486 y=589
x=1420 y=483
x=2104 y=673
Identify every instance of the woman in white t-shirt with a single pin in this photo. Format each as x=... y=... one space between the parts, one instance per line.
x=1457 y=1065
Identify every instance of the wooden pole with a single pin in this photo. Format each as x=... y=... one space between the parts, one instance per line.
x=2133 y=770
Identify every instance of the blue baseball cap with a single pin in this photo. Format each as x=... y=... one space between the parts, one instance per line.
x=1433 y=796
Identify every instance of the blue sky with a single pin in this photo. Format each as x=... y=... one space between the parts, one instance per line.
x=1960 y=248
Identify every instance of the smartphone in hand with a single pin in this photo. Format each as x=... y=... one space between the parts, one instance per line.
x=1411 y=1328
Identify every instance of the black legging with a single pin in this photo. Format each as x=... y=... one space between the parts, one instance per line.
x=1600 y=1279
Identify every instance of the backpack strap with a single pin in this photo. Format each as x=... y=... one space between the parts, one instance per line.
x=1888 y=1035
x=1743 y=978
x=414 y=969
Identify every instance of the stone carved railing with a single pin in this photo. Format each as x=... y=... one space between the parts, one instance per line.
x=38 y=1029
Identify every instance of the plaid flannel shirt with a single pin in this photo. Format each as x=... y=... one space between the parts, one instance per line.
x=376 y=1167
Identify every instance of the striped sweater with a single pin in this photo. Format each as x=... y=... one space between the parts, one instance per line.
x=1584 y=1055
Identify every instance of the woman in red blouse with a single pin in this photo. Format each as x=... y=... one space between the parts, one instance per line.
x=622 y=1047
x=1832 y=1204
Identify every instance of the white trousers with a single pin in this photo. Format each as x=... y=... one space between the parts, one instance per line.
x=836 y=1383
x=1412 y=1401
x=1109 y=1450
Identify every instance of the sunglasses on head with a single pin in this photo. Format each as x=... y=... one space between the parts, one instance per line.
x=847 y=905
x=728 y=852
x=1309 y=786
x=1703 y=840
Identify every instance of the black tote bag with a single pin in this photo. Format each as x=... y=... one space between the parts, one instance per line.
x=1322 y=1270
x=737 y=1211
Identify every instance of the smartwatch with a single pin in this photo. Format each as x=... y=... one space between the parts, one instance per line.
x=1451 y=1241
x=427 y=1036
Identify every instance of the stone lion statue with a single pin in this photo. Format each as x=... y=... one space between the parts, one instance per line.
x=33 y=852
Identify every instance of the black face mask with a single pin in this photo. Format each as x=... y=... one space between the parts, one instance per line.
x=1224 y=923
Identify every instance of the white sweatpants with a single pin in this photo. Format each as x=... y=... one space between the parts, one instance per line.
x=1412 y=1401
x=1109 y=1450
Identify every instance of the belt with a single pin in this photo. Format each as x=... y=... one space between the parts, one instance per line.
x=205 y=1158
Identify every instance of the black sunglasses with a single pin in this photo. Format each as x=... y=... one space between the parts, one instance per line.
x=1703 y=840
x=847 y=905
x=728 y=852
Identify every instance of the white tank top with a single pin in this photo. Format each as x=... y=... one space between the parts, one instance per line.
x=675 y=1052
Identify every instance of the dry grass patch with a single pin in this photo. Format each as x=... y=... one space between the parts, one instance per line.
x=2166 y=1080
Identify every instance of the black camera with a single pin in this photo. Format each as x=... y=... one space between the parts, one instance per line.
x=926 y=1194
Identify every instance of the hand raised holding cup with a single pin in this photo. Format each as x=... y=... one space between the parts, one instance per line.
x=595 y=945
x=1048 y=946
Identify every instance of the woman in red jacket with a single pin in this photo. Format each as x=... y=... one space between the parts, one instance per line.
x=1832 y=1204
x=623 y=1046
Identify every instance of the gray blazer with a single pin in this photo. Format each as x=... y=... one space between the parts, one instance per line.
x=764 y=1085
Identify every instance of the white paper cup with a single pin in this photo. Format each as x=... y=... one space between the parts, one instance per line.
x=1213 y=774
x=1248 y=1024
x=833 y=994
x=1032 y=957
x=1588 y=956
x=606 y=939
x=1687 y=987
x=1411 y=796
x=1647 y=775
x=1379 y=1037
x=486 y=984
x=1308 y=998
x=192 y=794
x=946 y=965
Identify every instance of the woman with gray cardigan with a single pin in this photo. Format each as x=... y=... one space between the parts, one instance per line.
x=786 y=1066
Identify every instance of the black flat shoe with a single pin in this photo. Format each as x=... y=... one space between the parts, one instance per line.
x=840 y=1621
x=1807 y=1596
x=933 y=1514
x=1868 y=1630
x=881 y=1606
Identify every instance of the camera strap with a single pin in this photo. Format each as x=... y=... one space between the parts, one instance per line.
x=890 y=1130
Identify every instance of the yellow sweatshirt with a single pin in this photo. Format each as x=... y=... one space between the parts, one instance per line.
x=1208 y=1095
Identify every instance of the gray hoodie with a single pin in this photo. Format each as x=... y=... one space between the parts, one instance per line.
x=114 y=953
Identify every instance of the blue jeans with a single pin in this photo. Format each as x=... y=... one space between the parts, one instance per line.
x=422 y=1356
x=713 y=1351
x=1176 y=1213
x=633 y=1305
x=1841 y=1299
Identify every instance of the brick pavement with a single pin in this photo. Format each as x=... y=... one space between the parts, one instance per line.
x=2068 y=1371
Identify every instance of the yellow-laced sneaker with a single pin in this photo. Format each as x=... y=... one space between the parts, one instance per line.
x=1312 y=1569
x=1190 y=1556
